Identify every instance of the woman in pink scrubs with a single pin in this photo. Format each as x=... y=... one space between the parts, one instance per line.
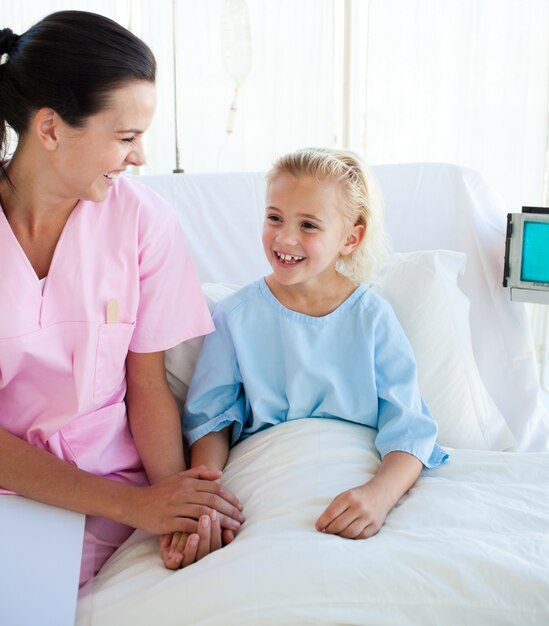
x=95 y=283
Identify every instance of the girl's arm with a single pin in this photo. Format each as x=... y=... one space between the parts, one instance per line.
x=404 y=423
x=212 y=450
x=156 y=428
x=360 y=512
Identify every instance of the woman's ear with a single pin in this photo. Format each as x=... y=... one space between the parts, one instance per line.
x=354 y=239
x=45 y=125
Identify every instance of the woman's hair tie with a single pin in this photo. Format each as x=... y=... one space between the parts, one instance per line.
x=8 y=41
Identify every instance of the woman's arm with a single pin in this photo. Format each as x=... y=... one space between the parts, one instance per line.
x=153 y=416
x=172 y=504
x=41 y=476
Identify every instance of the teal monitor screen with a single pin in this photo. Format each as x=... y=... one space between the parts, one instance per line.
x=535 y=252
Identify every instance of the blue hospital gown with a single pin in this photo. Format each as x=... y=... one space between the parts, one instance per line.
x=267 y=364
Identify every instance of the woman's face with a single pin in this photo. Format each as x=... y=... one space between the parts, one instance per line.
x=89 y=159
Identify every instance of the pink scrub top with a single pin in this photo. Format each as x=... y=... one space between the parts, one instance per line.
x=62 y=366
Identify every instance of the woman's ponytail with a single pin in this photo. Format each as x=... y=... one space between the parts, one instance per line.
x=8 y=41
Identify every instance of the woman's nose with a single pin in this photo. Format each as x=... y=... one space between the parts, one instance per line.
x=137 y=154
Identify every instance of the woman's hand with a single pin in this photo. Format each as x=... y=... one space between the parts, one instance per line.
x=178 y=549
x=175 y=503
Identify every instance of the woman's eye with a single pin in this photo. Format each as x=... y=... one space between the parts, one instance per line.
x=129 y=139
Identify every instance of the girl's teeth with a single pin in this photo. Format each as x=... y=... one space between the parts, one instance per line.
x=289 y=257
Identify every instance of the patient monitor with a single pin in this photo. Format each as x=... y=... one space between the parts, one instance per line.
x=526 y=269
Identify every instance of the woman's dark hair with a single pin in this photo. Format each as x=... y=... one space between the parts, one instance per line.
x=70 y=62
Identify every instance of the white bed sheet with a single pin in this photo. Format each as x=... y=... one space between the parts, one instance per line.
x=469 y=544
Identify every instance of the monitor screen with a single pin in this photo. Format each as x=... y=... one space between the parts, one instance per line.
x=535 y=252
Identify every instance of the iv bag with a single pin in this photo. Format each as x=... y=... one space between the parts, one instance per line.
x=236 y=44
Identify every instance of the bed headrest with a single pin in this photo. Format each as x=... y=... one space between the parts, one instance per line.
x=427 y=206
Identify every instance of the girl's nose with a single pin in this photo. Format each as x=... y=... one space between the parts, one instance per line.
x=287 y=236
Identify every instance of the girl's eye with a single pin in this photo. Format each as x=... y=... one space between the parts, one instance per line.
x=274 y=218
x=309 y=226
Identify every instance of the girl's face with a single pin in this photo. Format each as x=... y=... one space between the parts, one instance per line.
x=89 y=159
x=304 y=232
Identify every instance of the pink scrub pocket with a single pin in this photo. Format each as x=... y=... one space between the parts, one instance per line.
x=110 y=364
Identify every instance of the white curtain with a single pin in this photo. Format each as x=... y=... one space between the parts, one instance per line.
x=463 y=81
x=288 y=99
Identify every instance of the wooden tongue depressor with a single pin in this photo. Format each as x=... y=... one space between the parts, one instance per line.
x=112 y=311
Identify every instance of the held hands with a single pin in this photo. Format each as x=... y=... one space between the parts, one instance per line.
x=182 y=549
x=177 y=502
x=213 y=517
x=191 y=510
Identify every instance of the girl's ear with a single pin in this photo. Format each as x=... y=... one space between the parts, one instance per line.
x=46 y=125
x=354 y=239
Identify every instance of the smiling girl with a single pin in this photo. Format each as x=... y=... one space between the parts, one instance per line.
x=310 y=340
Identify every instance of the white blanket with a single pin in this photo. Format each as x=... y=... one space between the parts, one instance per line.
x=469 y=544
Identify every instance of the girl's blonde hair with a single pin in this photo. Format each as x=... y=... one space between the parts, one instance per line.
x=361 y=201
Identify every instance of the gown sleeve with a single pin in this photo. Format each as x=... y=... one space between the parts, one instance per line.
x=404 y=421
x=216 y=397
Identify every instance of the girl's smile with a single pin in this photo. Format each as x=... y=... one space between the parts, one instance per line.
x=304 y=236
x=287 y=259
x=304 y=232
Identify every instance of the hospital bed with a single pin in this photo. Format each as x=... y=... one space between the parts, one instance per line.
x=469 y=544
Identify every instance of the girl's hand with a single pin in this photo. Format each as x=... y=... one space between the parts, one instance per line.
x=182 y=549
x=171 y=549
x=358 y=513
x=177 y=502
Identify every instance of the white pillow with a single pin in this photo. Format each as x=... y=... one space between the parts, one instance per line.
x=434 y=313
x=181 y=359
